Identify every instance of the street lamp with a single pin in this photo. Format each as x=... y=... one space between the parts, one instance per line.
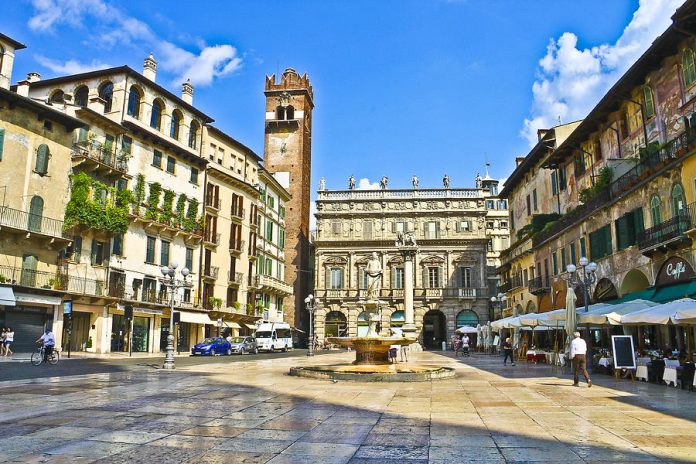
x=498 y=302
x=583 y=275
x=309 y=301
x=169 y=280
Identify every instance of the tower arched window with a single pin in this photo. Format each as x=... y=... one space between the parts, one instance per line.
x=280 y=113
x=81 y=95
x=156 y=116
x=655 y=210
x=106 y=93
x=58 y=96
x=134 y=99
x=677 y=199
x=648 y=102
x=688 y=66
x=176 y=123
x=290 y=112
x=193 y=135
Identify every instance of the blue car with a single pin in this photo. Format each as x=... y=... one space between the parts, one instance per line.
x=212 y=346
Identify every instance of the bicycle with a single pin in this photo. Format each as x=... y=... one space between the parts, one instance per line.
x=38 y=356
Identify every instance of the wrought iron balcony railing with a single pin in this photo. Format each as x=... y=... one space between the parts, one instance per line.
x=33 y=223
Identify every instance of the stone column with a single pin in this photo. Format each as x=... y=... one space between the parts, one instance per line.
x=409 y=323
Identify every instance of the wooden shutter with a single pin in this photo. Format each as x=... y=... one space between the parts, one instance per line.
x=638 y=224
x=42 y=159
x=107 y=251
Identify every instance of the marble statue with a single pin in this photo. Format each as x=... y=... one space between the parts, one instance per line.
x=322 y=184
x=446 y=181
x=414 y=181
x=479 y=181
x=374 y=277
x=384 y=182
x=351 y=183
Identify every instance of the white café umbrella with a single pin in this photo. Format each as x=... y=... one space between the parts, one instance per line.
x=479 y=335
x=466 y=329
x=611 y=314
x=686 y=313
x=530 y=320
x=661 y=314
x=489 y=335
x=571 y=315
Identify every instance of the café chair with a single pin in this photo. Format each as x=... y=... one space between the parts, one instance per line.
x=656 y=370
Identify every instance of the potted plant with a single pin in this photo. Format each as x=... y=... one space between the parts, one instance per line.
x=215 y=303
x=89 y=343
x=237 y=305
x=250 y=309
x=3 y=279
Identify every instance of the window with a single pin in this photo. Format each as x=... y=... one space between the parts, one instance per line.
x=554 y=183
x=688 y=67
x=398 y=278
x=269 y=267
x=399 y=227
x=655 y=210
x=336 y=278
x=271 y=202
x=281 y=237
x=600 y=243
x=583 y=250
x=175 y=125
x=562 y=179
x=281 y=211
x=194 y=176
x=99 y=253
x=82 y=96
x=150 y=252
x=156 y=115
x=677 y=199
x=36 y=206
x=434 y=277
x=648 y=102
x=193 y=135
x=269 y=230
x=465 y=277
x=579 y=164
x=529 y=205
x=134 y=98
x=563 y=259
x=42 y=156
x=106 y=93
x=628 y=227
x=58 y=97
x=157 y=159
x=534 y=200
x=126 y=144
x=289 y=112
x=280 y=113
x=432 y=230
x=171 y=164
x=490 y=204
x=573 y=257
x=554 y=263
x=502 y=204
x=462 y=226
x=503 y=224
x=231 y=296
x=117 y=245
x=164 y=253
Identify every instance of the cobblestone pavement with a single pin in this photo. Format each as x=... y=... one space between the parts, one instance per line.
x=252 y=412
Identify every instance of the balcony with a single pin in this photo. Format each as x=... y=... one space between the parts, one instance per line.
x=96 y=158
x=668 y=235
x=430 y=293
x=273 y=285
x=211 y=272
x=212 y=239
x=14 y=220
x=52 y=281
x=148 y=296
x=237 y=246
x=505 y=286
x=238 y=214
x=335 y=294
x=539 y=285
x=212 y=204
x=235 y=278
x=465 y=293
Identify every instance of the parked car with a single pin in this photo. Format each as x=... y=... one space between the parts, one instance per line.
x=212 y=346
x=241 y=345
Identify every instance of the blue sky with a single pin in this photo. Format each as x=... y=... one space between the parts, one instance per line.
x=401 y=86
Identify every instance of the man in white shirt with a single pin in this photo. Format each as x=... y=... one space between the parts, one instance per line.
x=49 y=342
x=578 y=353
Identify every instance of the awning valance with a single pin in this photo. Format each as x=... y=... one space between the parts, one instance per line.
x=196 y=318
x=674 y=292
x=250 y=326
x=38 y=299
x=7 y=297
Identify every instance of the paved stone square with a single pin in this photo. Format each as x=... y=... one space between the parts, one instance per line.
x=253 y=412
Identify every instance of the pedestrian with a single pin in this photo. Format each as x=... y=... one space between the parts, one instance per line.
x=9 y=340
x=457 y=343
x=2 y=341
x=465 y=345
x=578 y=353
x=507 y=350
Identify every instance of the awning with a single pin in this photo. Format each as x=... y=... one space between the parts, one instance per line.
x=645 y=294
x=38 y=299
x=674 y=292
x=231 y=325
x=7 y=297
x=661 y=314
x=195 y=318
x=250 y=326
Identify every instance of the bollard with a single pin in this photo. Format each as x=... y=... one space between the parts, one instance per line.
x=444 y=346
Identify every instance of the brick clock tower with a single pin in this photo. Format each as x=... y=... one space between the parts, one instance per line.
x=288 y=155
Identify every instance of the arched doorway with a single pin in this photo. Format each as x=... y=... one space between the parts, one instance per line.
x=362 y=324
x=634 y=281
x=467 y=317
x=434 y=329
x=398 y=318
x=335 y=324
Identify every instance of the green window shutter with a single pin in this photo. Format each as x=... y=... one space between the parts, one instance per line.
x=638 y=224
x=583 y=250
x=2 y=141
x=554 y=183
x=42 y=159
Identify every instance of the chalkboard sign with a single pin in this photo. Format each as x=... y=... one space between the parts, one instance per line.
x=624 y=354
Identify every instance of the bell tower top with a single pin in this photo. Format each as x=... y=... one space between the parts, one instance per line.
x=291 y=82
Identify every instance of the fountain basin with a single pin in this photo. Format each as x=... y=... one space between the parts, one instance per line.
x=371 y=350
x=376 y=373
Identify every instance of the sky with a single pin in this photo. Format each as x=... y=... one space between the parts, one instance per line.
x=401 y=87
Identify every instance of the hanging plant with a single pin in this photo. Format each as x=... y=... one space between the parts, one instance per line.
x=191 y=215
x=153 y=200
x=97 y=211
x=180 y=209
x=138 y=193
x=167 y=207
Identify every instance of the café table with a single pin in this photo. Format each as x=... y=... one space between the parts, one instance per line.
x=642 y=368
x=606 y=362
x=536 y=356
x=670 y=374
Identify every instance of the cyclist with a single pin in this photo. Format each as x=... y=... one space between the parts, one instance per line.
x=49 y=342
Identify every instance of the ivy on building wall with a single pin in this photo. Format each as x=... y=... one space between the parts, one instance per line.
x=191 y=220
x=138 y=193
x=180 y=210
x=167 y=207
x=97 y=206
x=153 y=200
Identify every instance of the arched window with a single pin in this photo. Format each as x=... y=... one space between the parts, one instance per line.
x=42 y=155
x=655 y=210
x=35 y=213
x=193 y=135
x=677 y=199
x=398 y=318
x=176 y=123
x=81 y=96
x=648 y=102
x=335 y=324
x=363 y=325
x=156 y=116
x=688 y=67
x=290 y=112
x=280 y=113
x=134 y=99
x=106 y=93
x=467 y=317
x=58 y=96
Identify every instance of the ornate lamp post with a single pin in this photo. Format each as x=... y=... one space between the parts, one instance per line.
x=584 y=275
x=173 y=284
x=309 y=301
x=498 y=302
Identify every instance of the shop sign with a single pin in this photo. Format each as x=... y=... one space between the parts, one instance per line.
x=67 y=307
x=676 y=269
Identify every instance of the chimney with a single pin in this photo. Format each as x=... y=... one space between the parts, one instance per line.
x=23 y=88
x=33 y=77
x=150 y=68
x=519 y=160
x=187 y=92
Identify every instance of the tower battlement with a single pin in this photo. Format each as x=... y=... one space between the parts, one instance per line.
x=289 y=80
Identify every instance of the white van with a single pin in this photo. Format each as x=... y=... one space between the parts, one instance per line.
x=271 y=336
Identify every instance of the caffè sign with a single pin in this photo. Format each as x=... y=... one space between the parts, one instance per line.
x=674 y=270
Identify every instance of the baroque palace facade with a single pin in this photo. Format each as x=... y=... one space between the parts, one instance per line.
x=459 y=234
x=109 y=176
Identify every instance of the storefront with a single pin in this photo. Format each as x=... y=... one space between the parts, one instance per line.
x=141 y=335
x=28 y=318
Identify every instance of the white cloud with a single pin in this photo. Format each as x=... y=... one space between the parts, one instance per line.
x=111 y=27
x=365 y=184
x=571 y=81
x=69 y=66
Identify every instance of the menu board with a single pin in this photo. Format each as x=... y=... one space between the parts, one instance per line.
x=624 y=353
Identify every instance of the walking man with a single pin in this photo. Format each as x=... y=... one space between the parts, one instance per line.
x=578 y=353
x=507 y=350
